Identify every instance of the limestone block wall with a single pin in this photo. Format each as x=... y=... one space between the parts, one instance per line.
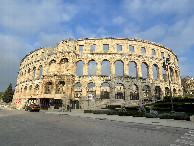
x=55 y=72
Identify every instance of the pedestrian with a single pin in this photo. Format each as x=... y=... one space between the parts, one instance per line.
x=67 y=107
x=70 y=107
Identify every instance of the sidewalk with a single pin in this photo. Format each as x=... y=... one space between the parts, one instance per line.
x=141 y=120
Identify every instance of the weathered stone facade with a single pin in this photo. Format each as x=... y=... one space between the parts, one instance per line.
x=52 y=73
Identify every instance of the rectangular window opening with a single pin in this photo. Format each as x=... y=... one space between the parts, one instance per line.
x=93 y=47
x=119 y=47
x=131 y=48
x=162 y=54
x=153 y=52
x=169 y=56
x=105 y=47
x=143 y=50
x=42 y=54
x=81 y=47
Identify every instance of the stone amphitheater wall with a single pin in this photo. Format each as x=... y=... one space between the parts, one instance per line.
x=51 y=73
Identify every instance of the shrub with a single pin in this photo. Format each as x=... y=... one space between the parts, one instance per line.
x=180 y=116
x=113 y=107
x=124 y=114
x=165 y=116
x=151 y=115
x=138 y=114
x=88 y=111
x=110 y=112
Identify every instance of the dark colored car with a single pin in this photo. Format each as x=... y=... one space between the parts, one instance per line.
x=32 y=108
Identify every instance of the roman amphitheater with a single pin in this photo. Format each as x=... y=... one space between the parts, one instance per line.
x=92 y=73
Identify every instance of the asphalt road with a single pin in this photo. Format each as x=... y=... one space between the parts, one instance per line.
x=21 y=128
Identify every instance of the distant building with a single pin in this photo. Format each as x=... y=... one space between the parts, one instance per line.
x=188 y=85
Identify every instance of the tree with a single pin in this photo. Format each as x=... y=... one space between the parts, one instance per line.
x=8 y=94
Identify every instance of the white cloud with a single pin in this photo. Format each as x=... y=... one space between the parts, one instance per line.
x=11 y=51
x=152 y=33
x=46 y=39
x=137 y=9
x=84 y=32
x=118 y=20
x=180 y=35
x=33 y=15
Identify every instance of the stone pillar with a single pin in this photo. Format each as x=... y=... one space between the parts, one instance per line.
x=98 y=91
x=150 y=71
x=159 y=72
x=53 y=87
x=112 y=68
x=98 y=68
x=126 y=68
x=84 y=91
x=85 y=69
x=112 y=91
x=140 y=91
x=152 y=92
x=139 y=73
x=127 y=93
x=37 y=73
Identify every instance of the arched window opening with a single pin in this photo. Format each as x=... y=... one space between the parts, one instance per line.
x=34 y=71
x=79 y=68
x=40 y=74
x=91 y=91
x=60 y=87
x=64 y=60
x=37 y=87
x=105 y=91
x=119 y=91
x=78 y=90
x=105 y=68
x=29 y=71
x=30 y=88
x=134 y=94
x=48 y=88
x=92 y=67
x=157 y=93
x=163 y=74
x=167 y=91
x=155 y=71
x=171 y=74
x=174 y=92
x=132 y=69
x=147 y=93
x=176 y=73
x=144 y=70
x=119 y=68
x=52 y=61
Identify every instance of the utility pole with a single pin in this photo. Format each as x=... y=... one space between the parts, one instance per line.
x=166 y=65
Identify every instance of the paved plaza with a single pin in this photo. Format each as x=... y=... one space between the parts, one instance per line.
x=19 y=128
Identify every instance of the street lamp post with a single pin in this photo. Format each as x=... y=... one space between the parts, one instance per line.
x=166 y=65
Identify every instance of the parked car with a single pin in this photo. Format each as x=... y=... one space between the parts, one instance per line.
x=32 y=108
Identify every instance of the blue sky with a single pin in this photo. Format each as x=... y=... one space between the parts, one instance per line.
x=26 y=25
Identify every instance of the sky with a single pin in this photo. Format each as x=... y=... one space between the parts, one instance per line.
x=26 y=25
